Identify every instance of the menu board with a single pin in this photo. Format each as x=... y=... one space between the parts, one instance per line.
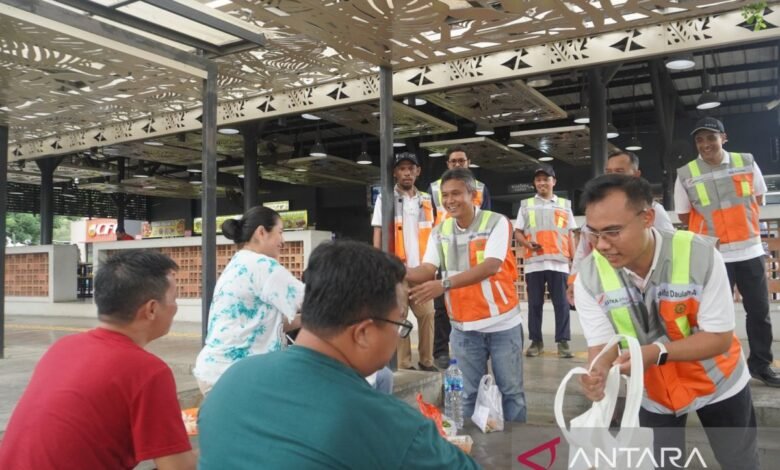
x=164 y=228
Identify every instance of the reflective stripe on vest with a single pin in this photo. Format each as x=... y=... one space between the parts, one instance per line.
x=722 y=199
x=548 y=226
x=463 y=250
x=441 y=212
x=424 y=225
x=672 y=298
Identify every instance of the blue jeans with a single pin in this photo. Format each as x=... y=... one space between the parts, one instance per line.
x=505 y=348
x=384 y=381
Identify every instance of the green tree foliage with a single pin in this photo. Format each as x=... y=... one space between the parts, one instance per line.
x=26 y=228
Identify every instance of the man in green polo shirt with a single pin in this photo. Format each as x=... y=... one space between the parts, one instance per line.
x=309 y=407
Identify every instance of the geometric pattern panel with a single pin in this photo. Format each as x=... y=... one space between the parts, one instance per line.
x=487 y=153
x=498 y=104
x=407 y=121
x=570 y=144
x=102 y=125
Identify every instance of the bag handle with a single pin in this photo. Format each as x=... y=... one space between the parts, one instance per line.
x=634 y=390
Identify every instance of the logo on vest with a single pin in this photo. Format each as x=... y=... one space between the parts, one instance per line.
x=679 y=309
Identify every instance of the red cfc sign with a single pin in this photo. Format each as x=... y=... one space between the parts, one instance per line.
x=101 y=230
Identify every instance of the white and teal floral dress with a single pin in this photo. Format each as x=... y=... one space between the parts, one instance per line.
x=252 y=298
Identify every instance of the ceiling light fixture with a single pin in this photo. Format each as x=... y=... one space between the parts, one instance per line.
x=473 y=165
x=612 y=131
x=483 y=130
x=318 y=149
x=154 y=143
x=708 y=99
x=300 y=170
x=139 y=171
x=680 y=62
x=194 y=168
x=228 y=131
x=310 y=117
x=414 y=101
x=545 y=159
x=436 y=154
x=582 y=115
x=539 y=81
x=634 y=144
x=515 y=145
x=399 y=144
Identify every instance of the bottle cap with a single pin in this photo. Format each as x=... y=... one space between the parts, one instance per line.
x=453 y=361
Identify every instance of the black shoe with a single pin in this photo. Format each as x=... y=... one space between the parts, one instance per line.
x=442 y=362
x=427 y=368
x=768 y=376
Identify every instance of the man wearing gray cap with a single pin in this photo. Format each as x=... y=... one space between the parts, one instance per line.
x=412 y=228
x=719 y=194
x=543 y=227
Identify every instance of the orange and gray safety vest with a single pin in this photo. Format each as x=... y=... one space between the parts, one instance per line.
x=722 y=201
x=668 y=311
x=461 y=251
x=424 y=224
x=441 y=212
x=548 y=225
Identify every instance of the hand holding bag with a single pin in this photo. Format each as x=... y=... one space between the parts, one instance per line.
x=591 y=445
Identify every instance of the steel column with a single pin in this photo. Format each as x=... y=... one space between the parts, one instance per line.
x=665 y=106
x=598 y=122
x=386 y=154
x=3 y=212
x=47 y=167
x=386 y=165
x=251 y=172
x=209 y=196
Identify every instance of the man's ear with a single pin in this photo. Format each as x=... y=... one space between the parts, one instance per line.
x=362 y=333
x=148 y=310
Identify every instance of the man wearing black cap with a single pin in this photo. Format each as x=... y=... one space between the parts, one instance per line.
x=543 y=227
x=412 y=228
x=719 y=194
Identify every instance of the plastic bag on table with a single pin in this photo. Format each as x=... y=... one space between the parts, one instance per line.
x=488 y=410
x=431 y=412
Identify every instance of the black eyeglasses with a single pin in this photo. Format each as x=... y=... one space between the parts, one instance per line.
x=404 y=327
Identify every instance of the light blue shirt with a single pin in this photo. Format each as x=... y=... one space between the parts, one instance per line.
x=252 y=298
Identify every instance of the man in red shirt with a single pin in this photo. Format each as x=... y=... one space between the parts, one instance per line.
x=121 y=235
x=97 y=399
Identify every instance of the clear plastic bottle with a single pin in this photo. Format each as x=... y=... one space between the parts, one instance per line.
x=453 y=393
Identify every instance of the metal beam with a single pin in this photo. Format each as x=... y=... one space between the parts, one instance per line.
x=111 y=13
x=209 y=196
x=210 y=17
x=386 y=165
x=598 y=121
x=3 y=212
x=251 y=171
x=47 y=167
x=88 y=29
x=665 y=105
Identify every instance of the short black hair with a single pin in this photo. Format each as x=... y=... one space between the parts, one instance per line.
x=347 y=282
x=456 y=148
x=460 y=174
x=637 y=190
x=127 y=280
x=631 y=156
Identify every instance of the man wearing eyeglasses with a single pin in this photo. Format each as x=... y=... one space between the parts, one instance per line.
x=412 y=228
x=456 y=158
x=543 y=227
x=308 y=406
x=621 y=162
x=479 y=269
x=719 y=194
x=670 y=291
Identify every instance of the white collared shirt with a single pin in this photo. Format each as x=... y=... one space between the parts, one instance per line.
x=682 y=205
x=412 y=205
x=546 y=265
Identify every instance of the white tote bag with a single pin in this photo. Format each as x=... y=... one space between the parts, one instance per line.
x=591 y=444
x=488 y=410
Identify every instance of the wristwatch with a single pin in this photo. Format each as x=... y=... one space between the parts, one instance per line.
x=447 y=284
x=663 y=355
